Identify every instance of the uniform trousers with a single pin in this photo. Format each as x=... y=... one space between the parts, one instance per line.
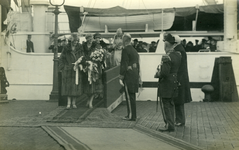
x=180 y=114
x=168 y=112
x=131 y=103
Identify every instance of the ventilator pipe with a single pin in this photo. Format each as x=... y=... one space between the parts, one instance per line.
x=207 y=89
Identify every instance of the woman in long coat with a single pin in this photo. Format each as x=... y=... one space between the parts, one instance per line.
x=70 y=54
x=88 y=49
x=95 y=88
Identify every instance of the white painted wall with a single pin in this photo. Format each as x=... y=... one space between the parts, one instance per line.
x=39 y=24
x=31 y=74
x=38 y=38
x=200 y=67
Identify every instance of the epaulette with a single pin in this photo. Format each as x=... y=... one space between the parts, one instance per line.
x=166 y=58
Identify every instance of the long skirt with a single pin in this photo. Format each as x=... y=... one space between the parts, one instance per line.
x=117 y=57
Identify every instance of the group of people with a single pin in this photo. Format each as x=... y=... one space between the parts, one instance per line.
x=172 y=74
x=209 y=45
x=89 y=79
x=60 y=44
x=173 y=81
x=144 y=47
x=173 y=87
x=92 y=56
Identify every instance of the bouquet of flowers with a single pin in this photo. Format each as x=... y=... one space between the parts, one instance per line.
x=97 y=56
x=95 y=65
x=92 y=70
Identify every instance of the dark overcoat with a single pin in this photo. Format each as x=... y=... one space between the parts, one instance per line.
x=168 y=84
x=87 y=51
x=184 y=90
x=67 y=58
x=129 y=68
x=94 y=87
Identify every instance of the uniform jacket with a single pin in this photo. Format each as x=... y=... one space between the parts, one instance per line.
x=168 y=85
x=30 y=46
x=184 y=90
x=129 y=68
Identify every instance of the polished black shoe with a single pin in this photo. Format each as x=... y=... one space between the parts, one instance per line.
x=130 y=119
x=162 y=129
x=179 y=124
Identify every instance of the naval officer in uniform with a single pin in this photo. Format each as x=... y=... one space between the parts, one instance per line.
x=129 y=76
x=168 y=84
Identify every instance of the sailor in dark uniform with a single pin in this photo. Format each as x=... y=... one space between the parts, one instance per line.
x=168 y=84
x=30 y=45
x=129 y=76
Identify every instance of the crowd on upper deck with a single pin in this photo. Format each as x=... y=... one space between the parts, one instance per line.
x=205 y=45
x=208 y=44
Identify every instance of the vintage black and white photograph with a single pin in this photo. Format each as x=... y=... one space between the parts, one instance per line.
x=119 y=75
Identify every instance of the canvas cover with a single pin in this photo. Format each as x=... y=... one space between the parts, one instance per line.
x=136 y=19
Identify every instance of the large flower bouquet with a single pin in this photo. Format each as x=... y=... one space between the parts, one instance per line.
x=97 y=56
x=92 y=67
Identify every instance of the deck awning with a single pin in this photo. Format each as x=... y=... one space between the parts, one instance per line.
x=136 y=19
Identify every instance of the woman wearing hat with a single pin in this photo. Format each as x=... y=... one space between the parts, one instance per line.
x=88 y=49
x=70 y=54
x=88 y=45
x=93 y=89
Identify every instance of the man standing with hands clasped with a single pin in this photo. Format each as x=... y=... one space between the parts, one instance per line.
x=129 y=76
